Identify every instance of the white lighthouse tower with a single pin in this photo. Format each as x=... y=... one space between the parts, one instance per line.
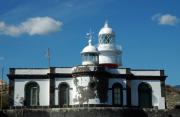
x=109 y=53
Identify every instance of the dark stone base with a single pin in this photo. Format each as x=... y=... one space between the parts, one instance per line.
x=89 y=112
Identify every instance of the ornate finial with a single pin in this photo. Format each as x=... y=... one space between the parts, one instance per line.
x=106 y=24
x=89 y=36
x=89 y=41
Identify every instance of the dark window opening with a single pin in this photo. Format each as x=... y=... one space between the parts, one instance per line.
x=145 y=95
x=31 y=94
x=63 y=95
x=117 y=94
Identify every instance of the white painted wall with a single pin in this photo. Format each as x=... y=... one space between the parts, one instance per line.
x=44 y=85
x=146 y=73
x=82 y=81
x=156 y=93
x=118 y=71
x=43 y=94
x=32 y=71
x=67 y=70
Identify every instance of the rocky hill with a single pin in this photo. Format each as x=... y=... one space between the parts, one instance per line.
x=172 y=97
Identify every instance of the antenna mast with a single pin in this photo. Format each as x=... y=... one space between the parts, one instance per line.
x=49 y=57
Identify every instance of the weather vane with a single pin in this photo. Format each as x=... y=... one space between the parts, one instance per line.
x=89 y=36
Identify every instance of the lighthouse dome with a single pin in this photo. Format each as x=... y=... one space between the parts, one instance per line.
x=90 y=54
x=106 y=29
x=89 y=49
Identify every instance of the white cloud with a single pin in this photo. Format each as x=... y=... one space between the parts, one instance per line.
x=166 y=19
x=32 y=26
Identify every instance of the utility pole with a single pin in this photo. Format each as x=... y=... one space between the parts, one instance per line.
x=49 y=57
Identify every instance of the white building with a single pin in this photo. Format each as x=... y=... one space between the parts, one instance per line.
x=99 y=81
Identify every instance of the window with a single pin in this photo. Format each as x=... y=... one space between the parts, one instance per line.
x=90 y=57
x=63 y=94
x=145 y=95
x=117 y=94
x=31 y=94
x=106 y=39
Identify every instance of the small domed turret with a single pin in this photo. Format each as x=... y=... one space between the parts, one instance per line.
x=89 y=54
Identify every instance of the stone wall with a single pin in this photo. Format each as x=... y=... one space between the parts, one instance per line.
x=89 y=112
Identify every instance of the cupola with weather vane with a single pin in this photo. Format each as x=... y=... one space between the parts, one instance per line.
x=90 y=54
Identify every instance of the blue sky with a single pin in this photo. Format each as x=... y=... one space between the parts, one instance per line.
x=147 y=30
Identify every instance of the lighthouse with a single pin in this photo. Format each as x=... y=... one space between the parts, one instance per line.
x=109 y=52
x=99 y=81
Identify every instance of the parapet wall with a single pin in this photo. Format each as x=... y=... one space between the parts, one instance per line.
x=89 y=112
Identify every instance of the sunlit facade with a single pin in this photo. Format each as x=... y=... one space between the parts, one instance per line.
x=100 y=81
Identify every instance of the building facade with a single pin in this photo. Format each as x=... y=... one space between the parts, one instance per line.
x=101 y=80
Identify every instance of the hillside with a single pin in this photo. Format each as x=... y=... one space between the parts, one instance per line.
x=172 y=97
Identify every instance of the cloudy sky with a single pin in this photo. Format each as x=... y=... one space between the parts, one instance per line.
x=147 y=30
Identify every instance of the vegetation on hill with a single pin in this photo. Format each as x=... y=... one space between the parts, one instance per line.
x=172 y=97
x=4 y=88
